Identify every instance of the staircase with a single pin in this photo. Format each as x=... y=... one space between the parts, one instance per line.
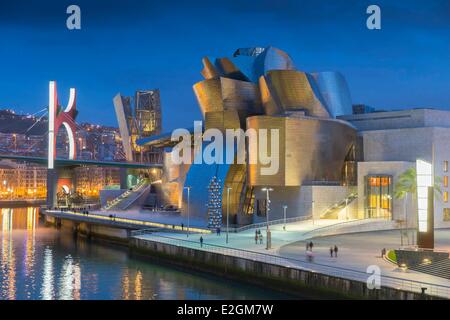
x=332 y=212
x=440 y=268
x=128 y=198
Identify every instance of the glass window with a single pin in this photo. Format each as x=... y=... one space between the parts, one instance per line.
x=378 y=198
x=446 y=181
x=445 y=166
x=445 y=196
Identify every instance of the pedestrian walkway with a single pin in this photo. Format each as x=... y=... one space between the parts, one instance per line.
x=356 y=253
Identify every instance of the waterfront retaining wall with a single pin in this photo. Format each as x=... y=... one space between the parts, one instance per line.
x=301 y=283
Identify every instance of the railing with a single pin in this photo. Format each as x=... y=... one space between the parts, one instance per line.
x=333 y=227
x=387 y=281
x=271 y=223
x=132 y=223
x=340 y=205
x=134 y=196
x=123 y=196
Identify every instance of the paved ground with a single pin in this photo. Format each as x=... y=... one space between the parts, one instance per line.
x=356 y=252
x=360 y=250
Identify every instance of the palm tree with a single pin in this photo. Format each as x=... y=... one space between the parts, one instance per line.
x=407 y=185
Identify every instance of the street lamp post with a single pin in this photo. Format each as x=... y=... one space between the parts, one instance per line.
x=228 y=211
x=346 y=208
x=284 y=212
x=268 y=234
x=188 y=206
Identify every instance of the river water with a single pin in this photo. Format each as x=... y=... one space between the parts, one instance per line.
x=38 y=262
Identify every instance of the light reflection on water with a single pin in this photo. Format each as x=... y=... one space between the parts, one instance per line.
x=37 y=262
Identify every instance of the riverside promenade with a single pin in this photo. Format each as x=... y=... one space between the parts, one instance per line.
x=357 y=251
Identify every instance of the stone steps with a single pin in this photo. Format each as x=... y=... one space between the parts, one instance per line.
x=439 y=268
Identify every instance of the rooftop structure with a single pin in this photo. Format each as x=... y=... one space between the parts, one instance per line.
x=145 y=121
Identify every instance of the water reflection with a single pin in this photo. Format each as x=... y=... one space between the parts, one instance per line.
x=47 y=292
x=43 y=263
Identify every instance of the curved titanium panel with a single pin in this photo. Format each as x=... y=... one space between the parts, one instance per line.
x=292 y=91
x=209 y=70
x=335 y=91
x=272 y=59
x=229 y=70
x=225 y=94
x=209 y=95
x=241 y=95
x=269 y=104
x=224 y=120
x=310 y=150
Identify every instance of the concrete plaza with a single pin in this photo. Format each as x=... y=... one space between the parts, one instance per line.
x=356 y=253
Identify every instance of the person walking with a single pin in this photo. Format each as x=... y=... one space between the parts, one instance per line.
x=182 y=227
x=331 y=252
x=201 y=241
x=311 y=245
x=260 y=238
x=219 y=230
x=335 y=251
x=383 y=252
x=256 y=237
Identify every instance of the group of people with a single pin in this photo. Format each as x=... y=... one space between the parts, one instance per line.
x=112 y=217
x=309 y=248
x=82 y=210
x=334 y=250
x=258 y=236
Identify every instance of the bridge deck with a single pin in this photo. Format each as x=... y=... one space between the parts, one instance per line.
x=76 y=163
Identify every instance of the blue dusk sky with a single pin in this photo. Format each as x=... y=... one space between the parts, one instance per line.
x=128 y=45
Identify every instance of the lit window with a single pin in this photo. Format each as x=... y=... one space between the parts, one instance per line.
x=446 y=181
x=445 y=166
x=445 y=196
x=446 y=214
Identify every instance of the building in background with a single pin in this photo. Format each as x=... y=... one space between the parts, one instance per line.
x=89 y=180
x=145 y=121
x=390 y=142
x=25 y=135
x=22 y=181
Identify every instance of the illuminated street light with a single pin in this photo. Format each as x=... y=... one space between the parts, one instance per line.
x=188 y=200
x=268 y=235
x=284 y=212
x=228 y=211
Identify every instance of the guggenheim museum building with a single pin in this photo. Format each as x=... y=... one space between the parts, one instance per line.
x=260 y=88
x=336 y=160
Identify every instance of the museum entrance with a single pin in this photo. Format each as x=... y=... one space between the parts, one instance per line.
x=378 y=194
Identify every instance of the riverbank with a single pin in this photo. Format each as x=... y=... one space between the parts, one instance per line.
x=235 y=265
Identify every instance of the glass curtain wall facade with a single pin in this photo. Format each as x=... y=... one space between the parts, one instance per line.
x=378 y=191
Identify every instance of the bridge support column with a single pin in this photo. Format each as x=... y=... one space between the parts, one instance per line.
x=52 y=186
x=123 y=172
